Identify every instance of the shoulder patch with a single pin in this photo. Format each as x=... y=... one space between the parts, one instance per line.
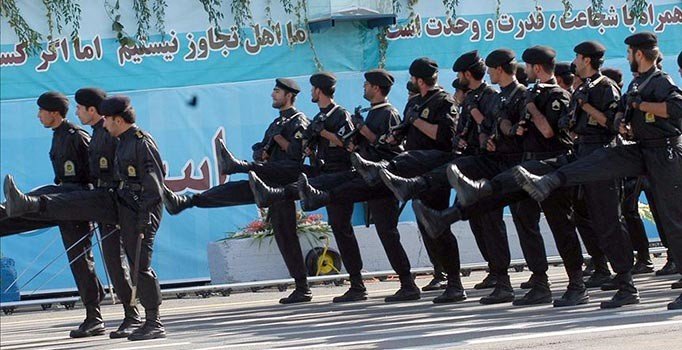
x=139 y=134
x=556 y=105
x=72 y=131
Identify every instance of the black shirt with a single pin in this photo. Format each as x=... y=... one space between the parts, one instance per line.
x=483 y=98
x=659 y=89
x=552 y=101
x=438 y=108
x=380 y=119
x=102 y=154
x=337 y=121
x=509 y=105
x=69 y=154
x=604 y=95
x=137 y=158
x=291 y=124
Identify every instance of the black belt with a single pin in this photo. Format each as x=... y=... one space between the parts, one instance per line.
x=543 y=155
x=508 y=156
x=664 y=142
x=592 y=139
x=106 y=184
x=128 y=186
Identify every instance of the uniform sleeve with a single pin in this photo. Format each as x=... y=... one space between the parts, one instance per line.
x=81 y=146
x=489 y=104
x=299 y=128
x=149 y=160
x=556 y=107
x=446 y=125
x=340 y=124
x=609 y=105
x=673 y=98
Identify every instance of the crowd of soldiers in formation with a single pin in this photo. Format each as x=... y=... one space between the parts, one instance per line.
x=573 y=145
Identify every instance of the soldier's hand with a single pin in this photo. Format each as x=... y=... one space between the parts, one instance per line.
x=317 y=127
x=490 y=145
x=462 y=144
x=581 y=96
x=634 y=99
x=564 y=122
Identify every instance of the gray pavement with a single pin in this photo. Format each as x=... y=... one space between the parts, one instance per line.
x=256 y=321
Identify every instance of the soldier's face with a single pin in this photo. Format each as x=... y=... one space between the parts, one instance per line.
x=369 y=91
x=47 y=118
x=278 y=98
x=83 y=115
x=530 y=72
x=459 y=96
x=314 y=94
x=580 y=64
x=462 y=78
x=632 y=58
x=112 y=126
x=494 y=75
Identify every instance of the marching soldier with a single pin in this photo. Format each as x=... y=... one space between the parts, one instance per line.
x=135 y=205
x=651 y=112
x=278 y=160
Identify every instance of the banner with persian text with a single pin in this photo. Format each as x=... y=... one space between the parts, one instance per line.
x=195 y=84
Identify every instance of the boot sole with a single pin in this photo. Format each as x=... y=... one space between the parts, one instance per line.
x=610 y=305
x=87 y=334
x=295 y=302
x=563 y=303
x=349 y=300
x=485 y=301
x=447 y=301
x=520 y=302
x=154 y=336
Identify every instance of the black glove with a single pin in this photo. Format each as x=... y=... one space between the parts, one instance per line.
x=531 y=95
x=412 y=115
x=581 y=95
x=316 y=126
x=633 y=99
x=565 y=122
x=357 y=119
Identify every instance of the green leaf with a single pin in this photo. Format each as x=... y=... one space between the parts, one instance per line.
x=117 y=26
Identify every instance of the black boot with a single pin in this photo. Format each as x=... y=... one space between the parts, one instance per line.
x=643 y=265
x=17 y=203
x=538 y=187
x=151 y=329
x=435 y=221
x=435 y=284
x=357 y=291
x=311 y=198
x=538 y=294
x=542 y=277
x=676 y=305
x=488 y=282
x=677 y=285
x=301 y=294
x=264 y=195
x=576 y=293
x=670 y=268
x=176 y=203
x=131 y=322
x=92 y=325
x=367 y=169
x=597 y=279
x=503 y=292
x=404 y=189
x=408 y=291
x=627 y=293
x=468 y=191
x=454 y=291
x=228 y=164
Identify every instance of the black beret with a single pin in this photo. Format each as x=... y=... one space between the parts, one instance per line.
x=614 y=74
x=423 y=68
x=379 y=77
x=114 y=105
x=521 y=75
x=643 y=40
x=288 y=85
x=466 y=61
x=90 y=97
x=322 y=80
x=539 y=55
x=457 y=85
x=499 y=57
x=590 y=49
x=412 y=88
x=563 y=68
x=679 y=60
x=54 y=101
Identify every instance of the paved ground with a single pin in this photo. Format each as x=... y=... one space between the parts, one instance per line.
x=256 y=321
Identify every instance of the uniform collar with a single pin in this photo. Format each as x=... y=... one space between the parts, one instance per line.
x=328 y=108
x=510 y=87
x=99 y=125
x=62 y=127
x=129 y=133
x=287 y=112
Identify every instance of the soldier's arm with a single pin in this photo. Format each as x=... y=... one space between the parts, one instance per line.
x=671 y=97
x=342 y=123
x=294 y=146
x=82 y=146
x=151 y=179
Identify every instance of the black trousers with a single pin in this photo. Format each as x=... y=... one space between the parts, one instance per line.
x=384 y=210
x=82 y=268
x=632 y=188
x=557 y=209
x=113 y=207
x=602 y=199
x=585 y=226
x=661 y=165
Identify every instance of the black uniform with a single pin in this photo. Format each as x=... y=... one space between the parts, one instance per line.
x=69 y=157
x=135 y=205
